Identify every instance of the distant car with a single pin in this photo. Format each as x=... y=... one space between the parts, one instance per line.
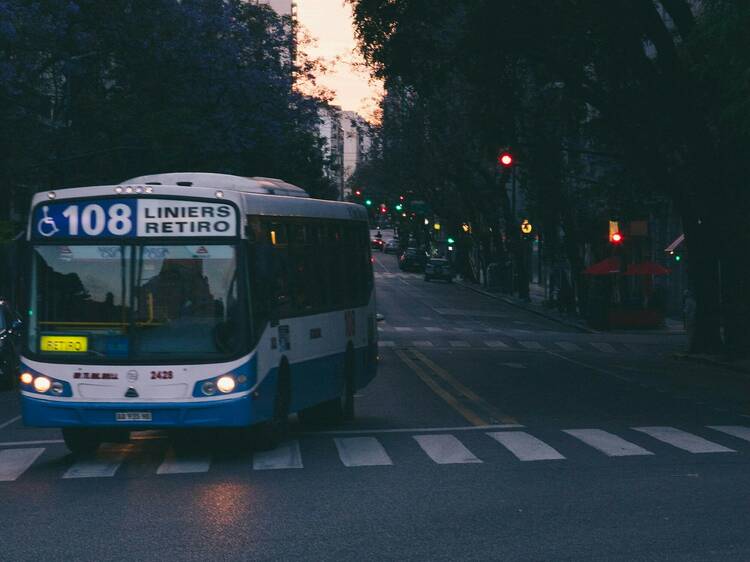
x=438 y=268
x=377 y=243
x=412 y=260
x=10 y=343
x=391 y=247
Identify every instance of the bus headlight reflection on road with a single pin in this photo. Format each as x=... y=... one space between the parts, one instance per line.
x=42 y=384
x=226 y=384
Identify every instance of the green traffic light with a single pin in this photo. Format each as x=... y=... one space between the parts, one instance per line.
x=399 y=207
x=368 y=202
x=451 y=240
x=677 y=258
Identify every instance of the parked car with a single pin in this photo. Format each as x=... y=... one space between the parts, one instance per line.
x=412 y=259
x=438 y=268
x=10 y=343
x=391 y=247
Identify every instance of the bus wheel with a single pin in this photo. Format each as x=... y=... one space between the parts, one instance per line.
x=337 y=409
x=274 y=431
x=81 y=441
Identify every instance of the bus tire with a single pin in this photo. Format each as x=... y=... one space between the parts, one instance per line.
x=272 y=432
x=337 y=409
x=81 y=441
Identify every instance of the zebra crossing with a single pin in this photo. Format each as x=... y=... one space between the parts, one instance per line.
x=506 y=344
x=396 y=275
x=471 y=446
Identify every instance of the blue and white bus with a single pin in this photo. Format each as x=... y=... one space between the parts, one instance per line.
x=188 y=300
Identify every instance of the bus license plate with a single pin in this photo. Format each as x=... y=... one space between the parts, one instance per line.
x=132 y=416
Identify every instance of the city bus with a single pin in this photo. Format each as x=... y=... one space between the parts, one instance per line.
x=194 y=300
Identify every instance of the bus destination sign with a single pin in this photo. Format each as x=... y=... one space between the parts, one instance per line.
x=130 y=218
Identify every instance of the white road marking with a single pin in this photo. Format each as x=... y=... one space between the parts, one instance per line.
x=103 y=464
x=531 y=344
x=175 y=463
x=568 y=346
x=14 y=462
x=739 y=431
x=386 y=343
x=459 y=344
x=24 y=443
x=9 y=422
x=286 y=455
x=403 y=329
x=415 y=429
x=526 y=447
x=362 y=451
x=608 y=443
x=422 y=343
x=497 y=344
x=433 y=329
x=445 y=449
x=683 y=440
x=603 y=346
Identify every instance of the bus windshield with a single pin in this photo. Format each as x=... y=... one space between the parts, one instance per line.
x=162 y=303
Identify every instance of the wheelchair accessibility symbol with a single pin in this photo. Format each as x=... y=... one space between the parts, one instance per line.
x=46 y=225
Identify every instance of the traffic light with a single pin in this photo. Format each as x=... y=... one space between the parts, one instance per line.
x=358 y=192
x=401 y=197
x=505 y=159
x=526 y=227
x=399 y=207
x=368 y=202
x=616 y=238
x=451 y=241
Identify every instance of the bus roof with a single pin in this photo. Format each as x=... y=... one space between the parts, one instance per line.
x=261 y=185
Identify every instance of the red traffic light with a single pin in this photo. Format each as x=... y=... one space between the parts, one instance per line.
x=401 y=198
x=505 y=159
x=616 y=238
x=358 y=192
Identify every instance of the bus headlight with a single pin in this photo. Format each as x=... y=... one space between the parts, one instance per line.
x=42 y=384
x=208 y=388
x=27 y=378
x=57 y=388
x=226 y=384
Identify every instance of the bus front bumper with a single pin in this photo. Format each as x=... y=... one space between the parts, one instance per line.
x=228 y=412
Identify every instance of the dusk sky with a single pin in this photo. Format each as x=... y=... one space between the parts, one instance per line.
x=330 y=23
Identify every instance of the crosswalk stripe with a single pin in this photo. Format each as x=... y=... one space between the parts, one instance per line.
x=608 y=443
x=286 y=455
x=433 y=329
x=14 y=462
x=497 y=344
x=403 y=329
x=603 y=346
x=525 y=447
x=739 y=431
x=362 y=451
x=445 y=449
x=104 y=463
x=175 y=463
x=683 y=440
x=386 y=343
x=568 y=346
x=531 y=344
x=422 y=343
x=459 y=344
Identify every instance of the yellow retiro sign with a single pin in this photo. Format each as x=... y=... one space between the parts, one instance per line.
x=70 y=344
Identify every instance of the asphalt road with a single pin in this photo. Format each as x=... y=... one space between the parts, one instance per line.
x=490 y=433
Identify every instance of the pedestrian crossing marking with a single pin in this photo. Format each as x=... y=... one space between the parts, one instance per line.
x=14 y=462
x=683 y=440
x=362 y=451
x=175 y=463
x=525 y=447
x=535 y=345
x=738 y=431
x=603 y=346
x=433 y=329
x=403 y=328
x=459 y=344
x=497 y=344
x=608 y=443
x=286 y=455
x=386 y=343
x=445 y=449
x=568 y=346
x=102 y=464
x=422 y=343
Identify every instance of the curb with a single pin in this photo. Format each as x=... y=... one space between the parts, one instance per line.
x=529 y=309
x=708 y=360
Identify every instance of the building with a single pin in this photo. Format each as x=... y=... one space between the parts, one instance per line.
x=285 y=8
x=357 y=142
x=332 y=134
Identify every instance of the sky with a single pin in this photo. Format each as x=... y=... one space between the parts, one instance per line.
x=329 y=22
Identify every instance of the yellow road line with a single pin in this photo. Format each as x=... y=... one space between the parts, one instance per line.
x=472 y=417
x=496 y=415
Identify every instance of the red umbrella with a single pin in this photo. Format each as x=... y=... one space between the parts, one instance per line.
x=604 y=267
x=646 y=268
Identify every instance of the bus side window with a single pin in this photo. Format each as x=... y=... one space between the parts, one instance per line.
x=261 y=274
x=277 y=236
